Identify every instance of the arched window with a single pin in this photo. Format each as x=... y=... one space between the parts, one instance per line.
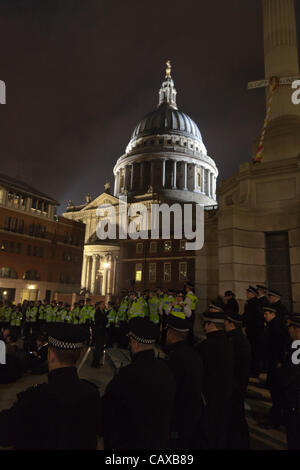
x=31 y=275
x=8 y=273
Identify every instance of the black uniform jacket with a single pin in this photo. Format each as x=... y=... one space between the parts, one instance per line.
x=100 y=320
x=281 y=310
x=242 y=363
x=187 y=368
x=59 y=415
x=232 y=305
x=278 y=340
x=254 y=319
x=288 y=380
x=217 y=355
x=138 y=403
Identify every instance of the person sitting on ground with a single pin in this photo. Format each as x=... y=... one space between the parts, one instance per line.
x=38 y=359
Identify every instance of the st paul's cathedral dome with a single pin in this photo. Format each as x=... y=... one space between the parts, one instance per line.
x=166 y=154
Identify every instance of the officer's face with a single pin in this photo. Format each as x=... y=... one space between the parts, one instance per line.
x=250 y=295
x=269 y=316
x=273 y=299
x=294 y=331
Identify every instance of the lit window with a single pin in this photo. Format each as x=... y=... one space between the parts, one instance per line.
x=167 y=271
x=8 y=273
x=138 y=272
x=31 y=275
x=153 y=247
x=168 y=246
x=139 y=248
x=183 y=271
x=152 y=272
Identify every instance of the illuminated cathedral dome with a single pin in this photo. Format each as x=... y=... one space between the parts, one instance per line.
x=166 y=153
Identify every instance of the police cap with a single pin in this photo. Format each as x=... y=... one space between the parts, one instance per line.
x=66 y=336
x=274 y=293
x=235 y=318
x=178 y=324
x=214 y=317
x=143 y=330
x=294 y=319
x=252 y=289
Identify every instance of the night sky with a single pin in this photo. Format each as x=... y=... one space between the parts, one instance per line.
x=80 y=74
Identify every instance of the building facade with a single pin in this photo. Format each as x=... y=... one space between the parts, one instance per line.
x=40 y=253
x=252 y=235
x=165 y=161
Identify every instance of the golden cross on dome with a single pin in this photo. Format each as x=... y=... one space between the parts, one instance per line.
x=168 y=69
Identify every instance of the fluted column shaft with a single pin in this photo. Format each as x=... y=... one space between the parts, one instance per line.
x=93 y=274
x=83 y=272
x=174 y=185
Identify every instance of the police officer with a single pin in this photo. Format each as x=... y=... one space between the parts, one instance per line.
x=187 y=368
x=274 y=297
x=99 y=333
x=153 y=306
x=111 y=325
x=63 y=414
x=137 y=308
x=232 y=304
x=138 y=402
x=262 y=295
x=277 y=344
x=254 y=324
x=238 y=430
x=217 y=356
x=122 y=319
x=191 y=300
x=178 y=308
x=288 y=379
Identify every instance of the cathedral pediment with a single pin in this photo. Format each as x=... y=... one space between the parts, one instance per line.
x=103 y=199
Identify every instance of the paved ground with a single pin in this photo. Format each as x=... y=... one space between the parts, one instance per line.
x=258 y=398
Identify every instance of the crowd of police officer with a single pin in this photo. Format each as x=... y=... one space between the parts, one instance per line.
x=209 y=378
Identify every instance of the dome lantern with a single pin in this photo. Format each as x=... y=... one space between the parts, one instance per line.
x=167 y=92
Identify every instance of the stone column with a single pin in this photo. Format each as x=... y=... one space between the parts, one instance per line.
x=185 y=176
x=174 y=186
x=105 y=281
x=195 y=176
x=163 y=173
x=88 y=273
x=281 y=60
x=142 y=175
x=131 y=177
x=126 y=174
x=208 y=183
x=84 y=271
x=114 y=269
x=152 y=176
x=202 y=179
x=116 y=187
x=93 y=275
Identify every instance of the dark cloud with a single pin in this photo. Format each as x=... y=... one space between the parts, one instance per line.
x=81 y=73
